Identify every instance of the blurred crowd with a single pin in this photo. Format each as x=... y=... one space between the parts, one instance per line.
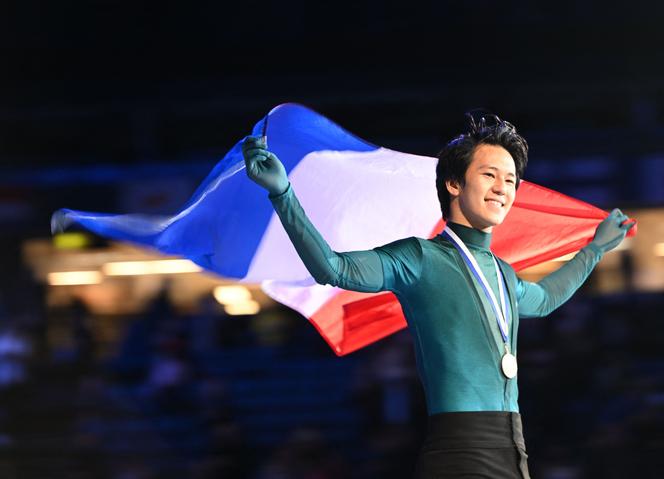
x=208 y=395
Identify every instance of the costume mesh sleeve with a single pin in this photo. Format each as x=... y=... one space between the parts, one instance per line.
x=541 y=298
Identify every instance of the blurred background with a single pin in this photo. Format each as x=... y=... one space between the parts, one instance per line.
x=117 y=106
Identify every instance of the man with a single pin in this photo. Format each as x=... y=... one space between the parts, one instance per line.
x=462 y=304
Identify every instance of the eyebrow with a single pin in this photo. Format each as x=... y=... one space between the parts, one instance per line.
x=494 y=168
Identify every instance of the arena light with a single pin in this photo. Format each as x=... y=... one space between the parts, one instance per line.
x=73 y=240
x=71 y=278
x=243 y=308
x=658 y=249
x=163 y=266
x=228 y=295
x=565 y=258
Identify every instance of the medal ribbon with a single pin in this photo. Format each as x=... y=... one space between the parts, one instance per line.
x=500 y=312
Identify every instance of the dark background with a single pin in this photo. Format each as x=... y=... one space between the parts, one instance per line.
x=97 y=93
x=123 y=82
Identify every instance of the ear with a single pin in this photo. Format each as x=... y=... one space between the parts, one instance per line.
x=453 y=187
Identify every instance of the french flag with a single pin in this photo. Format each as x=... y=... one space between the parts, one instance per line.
x=358 y=195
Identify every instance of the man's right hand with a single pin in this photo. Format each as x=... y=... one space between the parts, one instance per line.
x=263 y=166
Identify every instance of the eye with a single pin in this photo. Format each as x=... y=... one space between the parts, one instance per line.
x=489 y=175
x=511 y=181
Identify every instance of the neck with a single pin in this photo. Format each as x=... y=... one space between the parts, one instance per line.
x=465 y=222
x=471 y=236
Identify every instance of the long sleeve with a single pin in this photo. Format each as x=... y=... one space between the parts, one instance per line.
x=356 y=270
x=541 y=298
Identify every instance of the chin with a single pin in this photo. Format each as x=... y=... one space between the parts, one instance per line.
x=499 y=222
x=490 y=223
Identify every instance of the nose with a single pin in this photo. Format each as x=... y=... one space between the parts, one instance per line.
x=499 y=186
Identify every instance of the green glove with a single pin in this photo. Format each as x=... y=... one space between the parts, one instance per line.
x=263 y=166
x=611 y=231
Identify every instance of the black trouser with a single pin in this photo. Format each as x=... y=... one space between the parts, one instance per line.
x=486 y=444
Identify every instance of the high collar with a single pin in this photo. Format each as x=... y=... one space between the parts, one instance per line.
x=471 y=236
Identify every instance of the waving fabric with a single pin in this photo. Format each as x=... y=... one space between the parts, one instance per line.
x=358 y=195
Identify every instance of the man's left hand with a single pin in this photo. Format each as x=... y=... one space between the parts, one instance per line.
x=612 y=230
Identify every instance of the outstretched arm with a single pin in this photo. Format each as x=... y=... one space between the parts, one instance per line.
x=356 y=270
x=541 y=298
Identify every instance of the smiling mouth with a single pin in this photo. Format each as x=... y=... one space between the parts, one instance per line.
x=495 y=202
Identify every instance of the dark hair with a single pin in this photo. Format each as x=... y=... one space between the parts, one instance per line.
x=456 y=156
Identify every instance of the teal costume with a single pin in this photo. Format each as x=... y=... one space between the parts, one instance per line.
x=457 y=342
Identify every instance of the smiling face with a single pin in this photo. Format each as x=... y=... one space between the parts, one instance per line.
x=489 y=190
